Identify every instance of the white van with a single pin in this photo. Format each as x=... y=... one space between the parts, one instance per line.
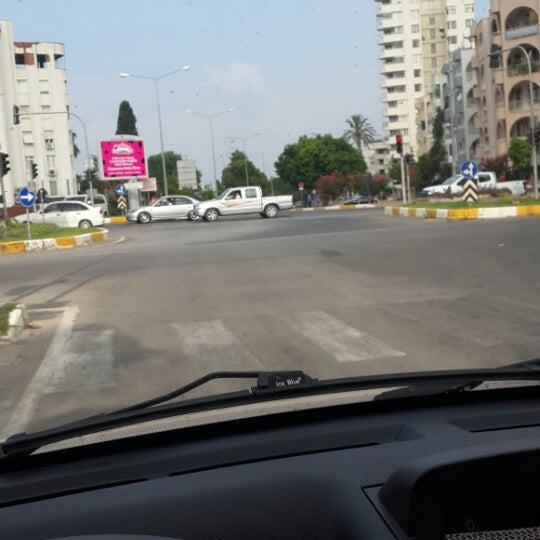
x=99 y=201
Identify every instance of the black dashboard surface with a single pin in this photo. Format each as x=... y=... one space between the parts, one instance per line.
x=423 y=468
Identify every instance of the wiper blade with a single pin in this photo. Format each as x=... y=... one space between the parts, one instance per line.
x=270 y=386
x=24 y=444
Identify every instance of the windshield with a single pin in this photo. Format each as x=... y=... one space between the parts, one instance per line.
x=451 y=180
x=342 y=112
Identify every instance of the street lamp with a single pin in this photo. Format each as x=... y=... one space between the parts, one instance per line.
x=211 y=117
x=244 y=139
x=156 y=80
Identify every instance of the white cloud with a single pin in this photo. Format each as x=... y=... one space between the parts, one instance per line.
x=239 y=78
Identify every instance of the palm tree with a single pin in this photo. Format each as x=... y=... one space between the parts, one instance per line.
x=360 y=131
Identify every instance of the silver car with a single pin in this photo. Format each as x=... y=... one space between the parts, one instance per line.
x=169 y=207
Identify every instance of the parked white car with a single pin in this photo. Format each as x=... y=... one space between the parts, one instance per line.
x=100 y=201
x=66 y=214
x=486 y=180
x=170 y=207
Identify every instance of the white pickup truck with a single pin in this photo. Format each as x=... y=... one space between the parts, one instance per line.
x=243 y=200
x=486 y=180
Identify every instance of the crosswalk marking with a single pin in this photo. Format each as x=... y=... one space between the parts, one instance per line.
x=210 y=345
x=343 y=342
x=86 y=363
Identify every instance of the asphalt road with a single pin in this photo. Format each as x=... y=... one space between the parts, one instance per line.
x=331 y=293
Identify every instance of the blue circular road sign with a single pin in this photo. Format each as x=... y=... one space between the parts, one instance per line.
x=469 y=169
x=120 y=190
x=27 y=198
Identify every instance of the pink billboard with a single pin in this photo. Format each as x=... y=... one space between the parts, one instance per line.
x=123 y=158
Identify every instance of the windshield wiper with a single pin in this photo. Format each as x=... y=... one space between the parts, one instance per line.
x=272 y=386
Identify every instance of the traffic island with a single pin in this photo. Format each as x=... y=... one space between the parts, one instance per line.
x=59 y=242
x=492 y=212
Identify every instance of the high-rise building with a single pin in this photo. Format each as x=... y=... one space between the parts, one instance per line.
x=33 y=79
x=416 y=37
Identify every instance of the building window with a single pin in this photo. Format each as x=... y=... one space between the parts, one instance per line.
x=451 y=25
x=417 y=87
x=51 y=161
x=414 y=14
x=469 y=8
x=416 y=58
x=451 y=10
x=19 y=61
x=433 y=48
x=432 y=34
x=42 y=60
x=416 y=43
x=452 y=40
x=469 y=23
x=433 y=62
x=431 y=21
x=49 y=144
x=417 y=72
x=415 y=29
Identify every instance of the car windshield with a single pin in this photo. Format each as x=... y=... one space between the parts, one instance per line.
x=451 y=180
x=304 y=134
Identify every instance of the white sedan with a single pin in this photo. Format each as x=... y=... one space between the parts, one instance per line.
x=170 y=207
x=65 y=214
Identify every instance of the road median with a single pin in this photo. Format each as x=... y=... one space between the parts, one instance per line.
x=495 y=212
x=61 y=242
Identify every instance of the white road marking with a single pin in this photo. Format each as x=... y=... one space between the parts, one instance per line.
x=343 y=342
x=87 y=363
x=211 y=346
x=22 y=414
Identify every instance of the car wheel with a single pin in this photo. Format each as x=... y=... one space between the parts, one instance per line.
x=271 y=211
x=192 y=215
x=211 y=214
x=144 y=217
x=85 y=224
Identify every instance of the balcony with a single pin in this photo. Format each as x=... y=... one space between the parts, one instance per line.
x=521 y=31
x=522 y=105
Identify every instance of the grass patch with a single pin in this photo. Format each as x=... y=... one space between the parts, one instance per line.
x=483 y=202
x=11 y=231
x=4 y=317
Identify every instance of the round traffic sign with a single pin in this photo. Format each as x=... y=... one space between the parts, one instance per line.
x=120 y=190
x=26 y=197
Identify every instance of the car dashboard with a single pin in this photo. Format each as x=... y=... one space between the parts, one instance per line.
x=461 y=466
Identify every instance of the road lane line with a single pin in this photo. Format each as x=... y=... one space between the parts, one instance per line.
x=343 y=342
x=23 y=412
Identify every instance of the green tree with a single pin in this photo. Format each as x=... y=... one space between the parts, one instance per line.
x=234 y=174
x=312 y=157
x=520 y=152
x=127 y=123
x=155 y=170
x=433 y=166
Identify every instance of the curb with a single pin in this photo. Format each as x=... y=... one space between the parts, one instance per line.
x=116 y=219
x=18 y=321
x=464 y=213
x=64 y=242
x=336 y=207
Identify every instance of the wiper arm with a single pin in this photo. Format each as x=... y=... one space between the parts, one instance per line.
x=24 y=444
x=265 y=380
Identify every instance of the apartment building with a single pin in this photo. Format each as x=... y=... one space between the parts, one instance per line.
x=34 y=79
x=416 y=37
x=460 y=107
x=506 y=104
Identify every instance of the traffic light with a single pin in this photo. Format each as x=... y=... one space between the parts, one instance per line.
x=4 y=163
x=399 y=144
x=537 y=137
x=408 y=159
x=34 y=170
x=16 y=115
x=495 y=56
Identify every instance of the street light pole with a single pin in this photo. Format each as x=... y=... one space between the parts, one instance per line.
x=156 y=85
x=244 y=139
x=211 y=118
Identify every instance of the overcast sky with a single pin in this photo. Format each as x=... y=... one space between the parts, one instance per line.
x=288 y=67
